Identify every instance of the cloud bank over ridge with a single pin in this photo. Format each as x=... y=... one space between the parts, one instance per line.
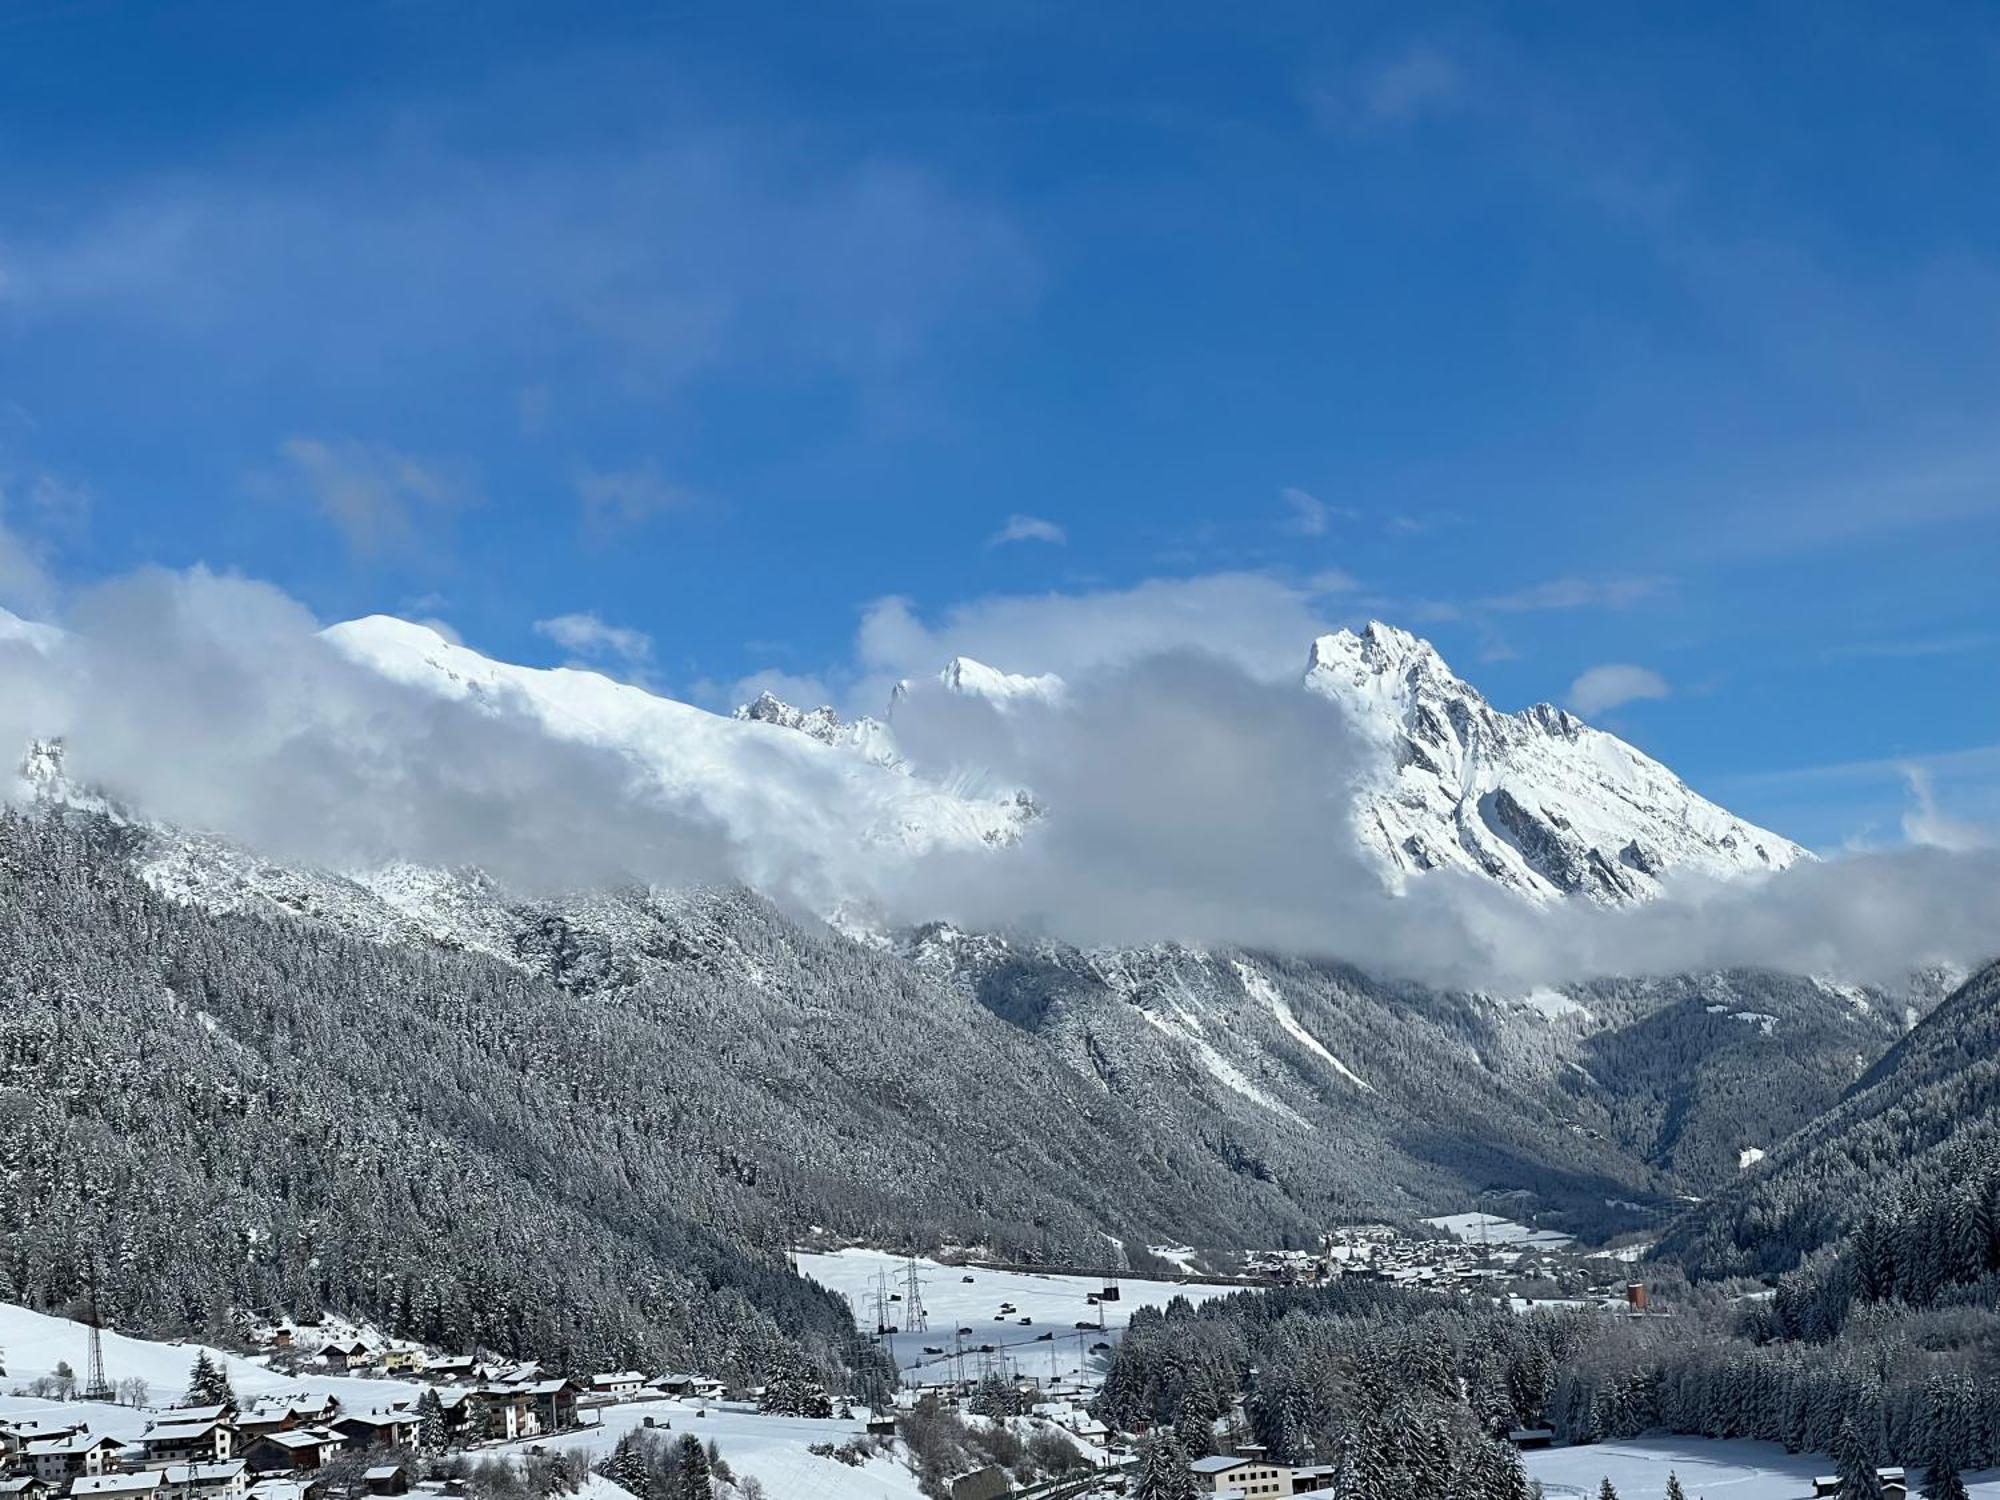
x=1184 y=794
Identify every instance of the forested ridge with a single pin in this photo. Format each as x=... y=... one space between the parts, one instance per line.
x=1912 y=1151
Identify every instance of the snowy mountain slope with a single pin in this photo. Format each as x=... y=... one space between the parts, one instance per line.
x=1537 y=801
x=870 y=737
x=757 y=775
x=27 y=632
x=974 y=679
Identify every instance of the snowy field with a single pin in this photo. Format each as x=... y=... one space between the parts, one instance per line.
x=958 y=1297
x=1491 y=1229
x=772 y=1449
x=1708 y=1470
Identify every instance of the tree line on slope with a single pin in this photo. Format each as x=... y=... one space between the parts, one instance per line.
x=1405 y=1396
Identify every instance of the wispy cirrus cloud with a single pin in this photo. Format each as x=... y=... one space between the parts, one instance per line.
x=381 y=500
x=585 y=634
x=1617 y=592
x=616 y=500
x=1612 y=685
x=1023 y=528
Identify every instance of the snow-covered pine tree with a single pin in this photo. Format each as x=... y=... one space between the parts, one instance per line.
x=1854 y=1459
x=430 y=1422
x=695 y=1481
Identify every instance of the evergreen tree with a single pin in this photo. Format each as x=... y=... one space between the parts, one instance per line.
x=208 y=1383
x=1163 y=1472
x=1605 y=1491
x=1855 y=1461
x=430 y=1422
x=694 y=1481
x=1674 y=1490
x=628 y=1466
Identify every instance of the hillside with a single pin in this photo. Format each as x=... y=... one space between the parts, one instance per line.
x=1917 y=1136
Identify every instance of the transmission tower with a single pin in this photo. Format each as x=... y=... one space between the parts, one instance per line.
x=96 y=1385
x=914 y=1318
x=883 y=1326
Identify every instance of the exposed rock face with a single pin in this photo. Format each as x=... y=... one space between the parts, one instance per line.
x=1537 y=800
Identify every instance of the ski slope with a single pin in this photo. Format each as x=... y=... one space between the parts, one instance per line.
x=1054 y=1303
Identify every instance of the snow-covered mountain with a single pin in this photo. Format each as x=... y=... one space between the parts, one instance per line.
x=770 y=773
x=824 y=809
x=974 y=679
x=1537 y=801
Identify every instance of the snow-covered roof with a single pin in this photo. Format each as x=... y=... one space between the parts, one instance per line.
x=143 y=1482
x=178 y=1431
x=204 y=1473
x=1217 y=1463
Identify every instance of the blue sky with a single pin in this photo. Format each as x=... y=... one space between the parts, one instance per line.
x=1574 y=338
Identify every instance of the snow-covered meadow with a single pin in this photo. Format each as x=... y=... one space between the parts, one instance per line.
x=1709 y=1469
x=970 y=1297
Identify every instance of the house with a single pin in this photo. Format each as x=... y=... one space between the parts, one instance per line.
x=219 y=1481
x=25 y=1487
x=552 y=1405
x=522 y=1374
x=222 y=1411
x=617 y=1383
x=304 y=1487
x=880 y=1424
x=14 y=1436
x=672 y=1384
x=387 y=1479
x=378 y=1429
x=450 y=1367
x=57 y=1461
x=503 y=1408
x=293 y=1451
x=1249 y=1474
x=346 y=1354
x=1313 y=1478
x=142 y=1484
x=263 y=1419
x=315 y=1410
x=1526 y=1438
x=174 y=1440
x=402 y=1361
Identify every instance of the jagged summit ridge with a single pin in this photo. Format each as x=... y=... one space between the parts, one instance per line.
x=974 y=679
x=1536 y=800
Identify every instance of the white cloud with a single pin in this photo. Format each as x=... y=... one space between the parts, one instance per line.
x=378 y=498
x=1310 y=514
x=1417 y=81
x=1925 y=825
x=614 y=499
x=1020 y=528
x=1387 y=91
x=1577 y=593
x=1614 y=683
x=1261 y=625
x=588 y=636
x=1184 y=798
